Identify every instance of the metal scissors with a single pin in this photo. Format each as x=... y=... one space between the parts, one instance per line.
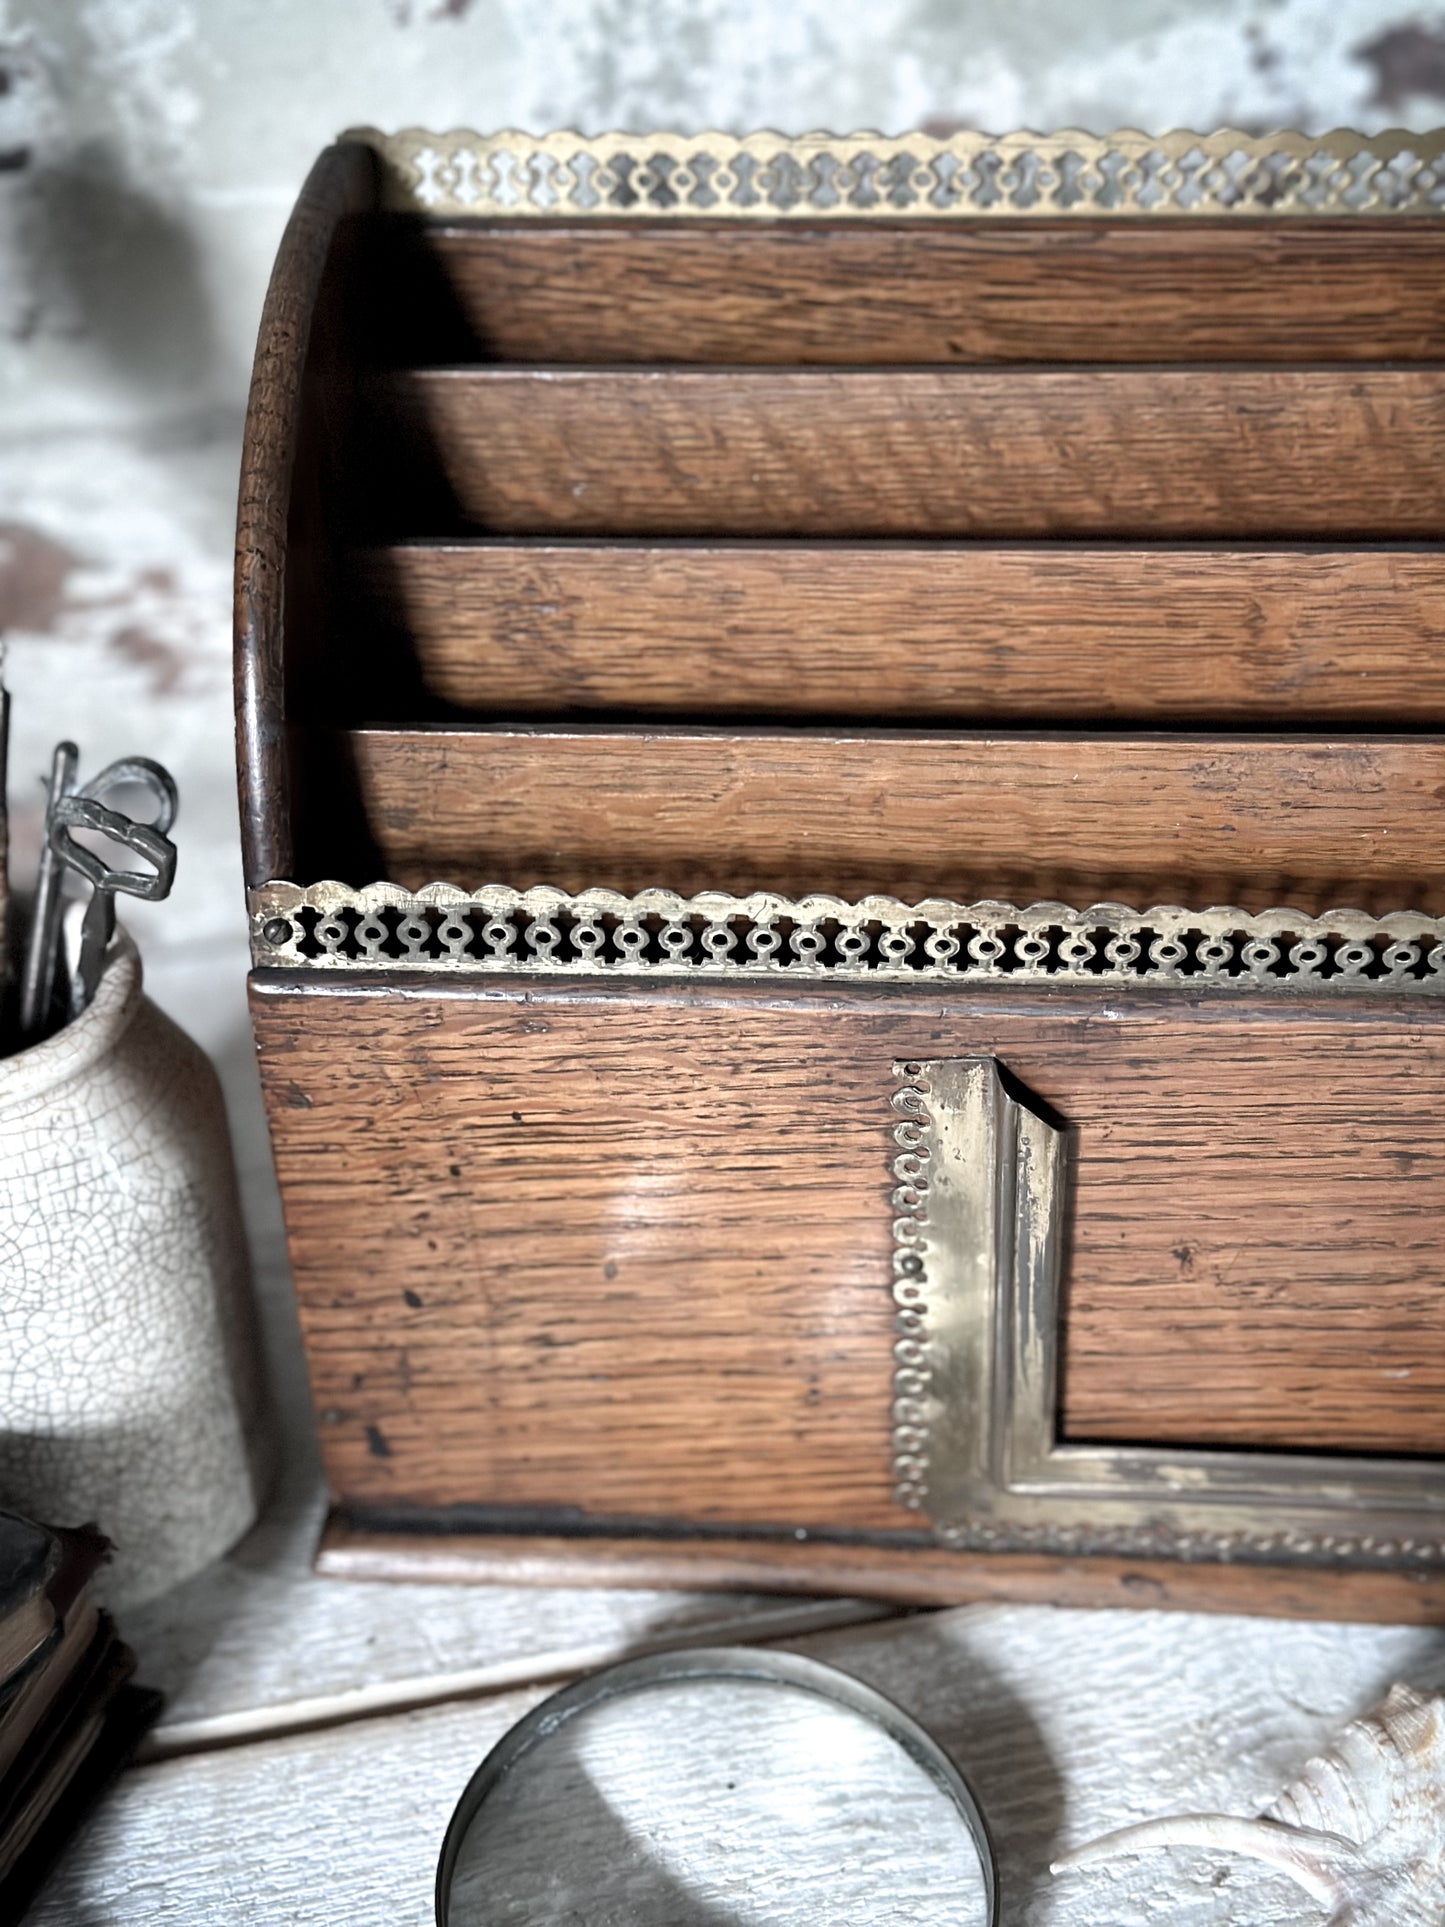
x=80 y=812
x=37 y=985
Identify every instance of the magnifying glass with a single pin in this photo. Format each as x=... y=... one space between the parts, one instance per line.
x=723 y=1787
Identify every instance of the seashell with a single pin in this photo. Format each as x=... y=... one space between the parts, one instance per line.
x=1362 y=1829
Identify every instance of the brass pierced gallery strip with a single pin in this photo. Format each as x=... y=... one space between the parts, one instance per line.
x=820 y=176
x=332 y=926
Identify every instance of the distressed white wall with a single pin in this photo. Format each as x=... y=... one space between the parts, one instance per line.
x=167 y=137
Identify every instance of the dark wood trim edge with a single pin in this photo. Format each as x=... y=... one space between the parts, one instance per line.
x=903 y=1577
x=342 y=182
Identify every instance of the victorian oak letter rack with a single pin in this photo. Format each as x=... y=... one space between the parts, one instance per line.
x=759 y=662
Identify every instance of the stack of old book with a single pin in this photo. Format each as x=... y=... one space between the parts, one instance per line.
x=68 y=1714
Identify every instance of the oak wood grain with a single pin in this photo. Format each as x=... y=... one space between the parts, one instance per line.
x=1254 y=820
x=626 y=1252
x=954 y=633
x=280 y=610
x=1221 y=451
x=917 y=1576
x=908 y=292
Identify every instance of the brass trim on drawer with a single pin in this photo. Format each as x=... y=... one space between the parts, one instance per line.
x=978 y=1233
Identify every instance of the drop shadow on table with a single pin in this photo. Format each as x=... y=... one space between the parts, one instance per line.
x=583 y=1864
x=930 y=1666
x=1003 y=1755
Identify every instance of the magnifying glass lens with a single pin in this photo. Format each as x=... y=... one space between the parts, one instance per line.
x=716 y=1803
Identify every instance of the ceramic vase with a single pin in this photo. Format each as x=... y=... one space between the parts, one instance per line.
x=130 y=1382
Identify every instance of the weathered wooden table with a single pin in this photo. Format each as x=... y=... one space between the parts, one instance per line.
x=318 y=1733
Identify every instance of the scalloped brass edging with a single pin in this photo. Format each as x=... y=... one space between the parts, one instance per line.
x=332 y=926
x=868 y=176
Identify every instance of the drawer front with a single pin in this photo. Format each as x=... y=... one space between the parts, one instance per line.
x=588 y=1253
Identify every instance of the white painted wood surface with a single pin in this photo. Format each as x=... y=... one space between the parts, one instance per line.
x=1066 y=1723
x=259 y=1644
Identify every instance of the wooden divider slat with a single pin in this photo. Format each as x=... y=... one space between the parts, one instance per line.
x=1222 y=451
x=987 y=291
x=957 y=633
x=1312 y=822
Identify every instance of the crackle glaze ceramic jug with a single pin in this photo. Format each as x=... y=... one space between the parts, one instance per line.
x=130 y=1386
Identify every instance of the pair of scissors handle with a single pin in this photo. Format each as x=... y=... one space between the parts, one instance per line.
x=42 y=951
x=60 y=850
x=137 y=772
x=80 y=812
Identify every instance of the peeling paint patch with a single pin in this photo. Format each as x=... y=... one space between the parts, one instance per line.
x=34 y=572
x=403 y=13
x=33 y=142
x=31 y=123
x=145 y=52
x=1409 y=63
x=166 y=663
x=38 y=597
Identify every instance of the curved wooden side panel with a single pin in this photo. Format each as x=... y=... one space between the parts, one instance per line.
x=271 y=566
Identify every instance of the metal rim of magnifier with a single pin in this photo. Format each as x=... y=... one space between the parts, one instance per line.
x=712 y=1663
